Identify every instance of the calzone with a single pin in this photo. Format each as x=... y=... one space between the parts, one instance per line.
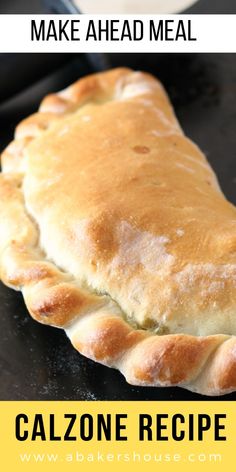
x=113 y=226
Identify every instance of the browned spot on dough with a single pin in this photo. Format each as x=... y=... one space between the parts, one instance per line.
x=227 y=375
x=32 y=272
x=222 y=370
x=101 y=233
x=58 y=304
x=107 y=338
x=171 y=358
x=141 y=149
x=54 y=104
x=83 y=87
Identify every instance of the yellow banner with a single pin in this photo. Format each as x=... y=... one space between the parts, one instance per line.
x=118 y=436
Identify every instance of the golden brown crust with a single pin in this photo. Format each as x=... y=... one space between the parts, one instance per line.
x=113 y=226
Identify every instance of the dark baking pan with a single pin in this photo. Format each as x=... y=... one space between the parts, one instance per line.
x=19 y=71
x=38 y=362
x=212 y=7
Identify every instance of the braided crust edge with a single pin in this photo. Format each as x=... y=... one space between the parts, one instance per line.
x=95 y=323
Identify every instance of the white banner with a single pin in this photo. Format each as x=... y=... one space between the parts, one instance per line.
x=117 y=33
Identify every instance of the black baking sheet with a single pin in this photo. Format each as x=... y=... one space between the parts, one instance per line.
x=38 y=362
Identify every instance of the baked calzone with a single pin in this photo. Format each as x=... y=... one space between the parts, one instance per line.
x=113 y=226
